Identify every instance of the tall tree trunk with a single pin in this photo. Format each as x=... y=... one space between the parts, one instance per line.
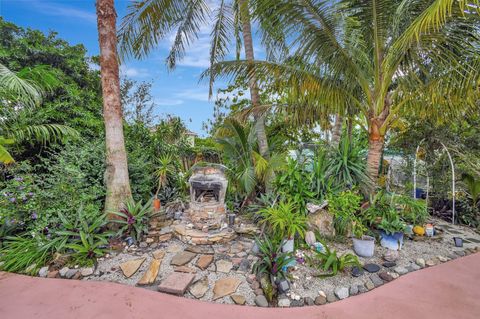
x=375 y=149
x=116 y=173
x=248 y=44
x=337 y=129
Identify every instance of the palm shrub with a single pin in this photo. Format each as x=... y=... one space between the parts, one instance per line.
x=248 y=170
x=134 y=219
x=472 y=185
x=284 y=220
x=18 y=97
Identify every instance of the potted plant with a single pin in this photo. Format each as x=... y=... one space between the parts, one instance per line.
x=165 y=167
x=363 y=245
x=284 y=221
x=391 y=232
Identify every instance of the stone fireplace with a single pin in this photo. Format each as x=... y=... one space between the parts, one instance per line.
x=208 y=186
x=205 y=220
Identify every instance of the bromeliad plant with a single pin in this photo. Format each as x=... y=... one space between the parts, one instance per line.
x=87 y=237
x=330 y=263
x=272 y=261
x=135 y=218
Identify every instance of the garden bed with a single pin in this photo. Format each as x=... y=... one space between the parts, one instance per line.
x=233 y=261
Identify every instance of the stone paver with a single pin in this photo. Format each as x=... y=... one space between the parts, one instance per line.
x=182 y=258
x=150 y=275
x=130 y=267
x=176 y=283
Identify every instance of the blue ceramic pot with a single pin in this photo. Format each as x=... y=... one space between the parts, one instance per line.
x=393 y=241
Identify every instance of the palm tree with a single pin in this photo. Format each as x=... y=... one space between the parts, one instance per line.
x=380 y=57
x=116 y=174
x=248 y=168
x=148 y=22
x=18 y=97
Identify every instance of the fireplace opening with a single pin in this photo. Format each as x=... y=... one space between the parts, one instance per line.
x=205 y=192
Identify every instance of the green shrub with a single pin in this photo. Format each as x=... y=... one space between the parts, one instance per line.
x=86 y=236
x=330 y=263
x=134 y=219
x=284 y=220
x=294 y=184
x=272 y=260
x=343 y=207
x=27 y=254
x=413 y=211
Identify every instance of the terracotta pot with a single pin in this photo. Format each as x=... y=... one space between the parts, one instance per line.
x=156 y=204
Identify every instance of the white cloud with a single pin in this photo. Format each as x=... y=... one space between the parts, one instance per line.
x=134 y=72
x=200 y=94
x=168 y=102
x=57 y=9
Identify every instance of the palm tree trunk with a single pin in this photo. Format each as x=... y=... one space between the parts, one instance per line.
x=248 y=44
x=375 y=150
x=116 y=174
x=337 y=130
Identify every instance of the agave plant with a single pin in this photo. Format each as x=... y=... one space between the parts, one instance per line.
x=134 y=219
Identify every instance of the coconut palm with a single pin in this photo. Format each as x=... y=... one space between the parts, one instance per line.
x=116 y=175
x=380 y=57
x=18 y=97
x=149 y=21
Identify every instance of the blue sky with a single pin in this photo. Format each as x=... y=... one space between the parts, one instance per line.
x=176 y=92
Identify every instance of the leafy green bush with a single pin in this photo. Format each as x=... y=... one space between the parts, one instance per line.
x=134 y=219
x=343 y=206
x=391 y=224
x=18 y=200
x=284 y=220
x=294 y=184
x=330 y=263
x=413 y=211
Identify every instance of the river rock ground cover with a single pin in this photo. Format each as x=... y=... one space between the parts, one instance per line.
x=222 y=273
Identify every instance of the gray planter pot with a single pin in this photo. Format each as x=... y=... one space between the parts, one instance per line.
x=364 y=247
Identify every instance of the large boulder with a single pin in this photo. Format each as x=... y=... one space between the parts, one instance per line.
x=319 y=219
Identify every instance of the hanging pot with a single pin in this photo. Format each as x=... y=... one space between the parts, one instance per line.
x=364 y=247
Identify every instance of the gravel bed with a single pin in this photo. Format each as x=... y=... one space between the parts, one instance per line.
x=304 y=284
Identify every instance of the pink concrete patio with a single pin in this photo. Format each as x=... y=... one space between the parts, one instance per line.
x=450 y=290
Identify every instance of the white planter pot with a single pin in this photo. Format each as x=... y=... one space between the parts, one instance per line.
x=288 y=245
x=364 y=247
